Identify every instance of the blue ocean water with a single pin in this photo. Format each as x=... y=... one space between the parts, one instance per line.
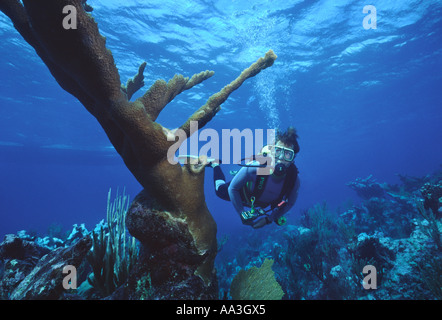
x=364 y=102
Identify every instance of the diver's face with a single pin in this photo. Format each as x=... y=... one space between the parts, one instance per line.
x=282 y=158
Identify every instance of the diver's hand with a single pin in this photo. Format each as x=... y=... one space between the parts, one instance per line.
x=247 y=217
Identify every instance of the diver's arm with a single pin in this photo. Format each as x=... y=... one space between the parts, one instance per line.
x=236 y=185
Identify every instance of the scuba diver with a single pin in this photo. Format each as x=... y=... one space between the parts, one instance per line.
x=278 y=190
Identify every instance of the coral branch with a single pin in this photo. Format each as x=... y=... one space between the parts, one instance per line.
x=86 y=7
x=161 y=93
x=204 y=114
x=136 y=83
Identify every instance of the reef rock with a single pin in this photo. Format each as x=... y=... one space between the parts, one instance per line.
x=18 y=256
x=78 y=232
x=432 y=194
x=367 y=188
x=14 y=247
x=45 y=281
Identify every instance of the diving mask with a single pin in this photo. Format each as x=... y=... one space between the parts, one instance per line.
x=282 y=153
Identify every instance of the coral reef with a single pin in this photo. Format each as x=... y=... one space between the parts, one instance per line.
x=384 y=208
x=83 y=66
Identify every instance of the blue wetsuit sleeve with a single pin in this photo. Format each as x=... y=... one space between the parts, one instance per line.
x=238 y=182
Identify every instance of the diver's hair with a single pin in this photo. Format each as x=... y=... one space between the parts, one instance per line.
x=290 y=137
